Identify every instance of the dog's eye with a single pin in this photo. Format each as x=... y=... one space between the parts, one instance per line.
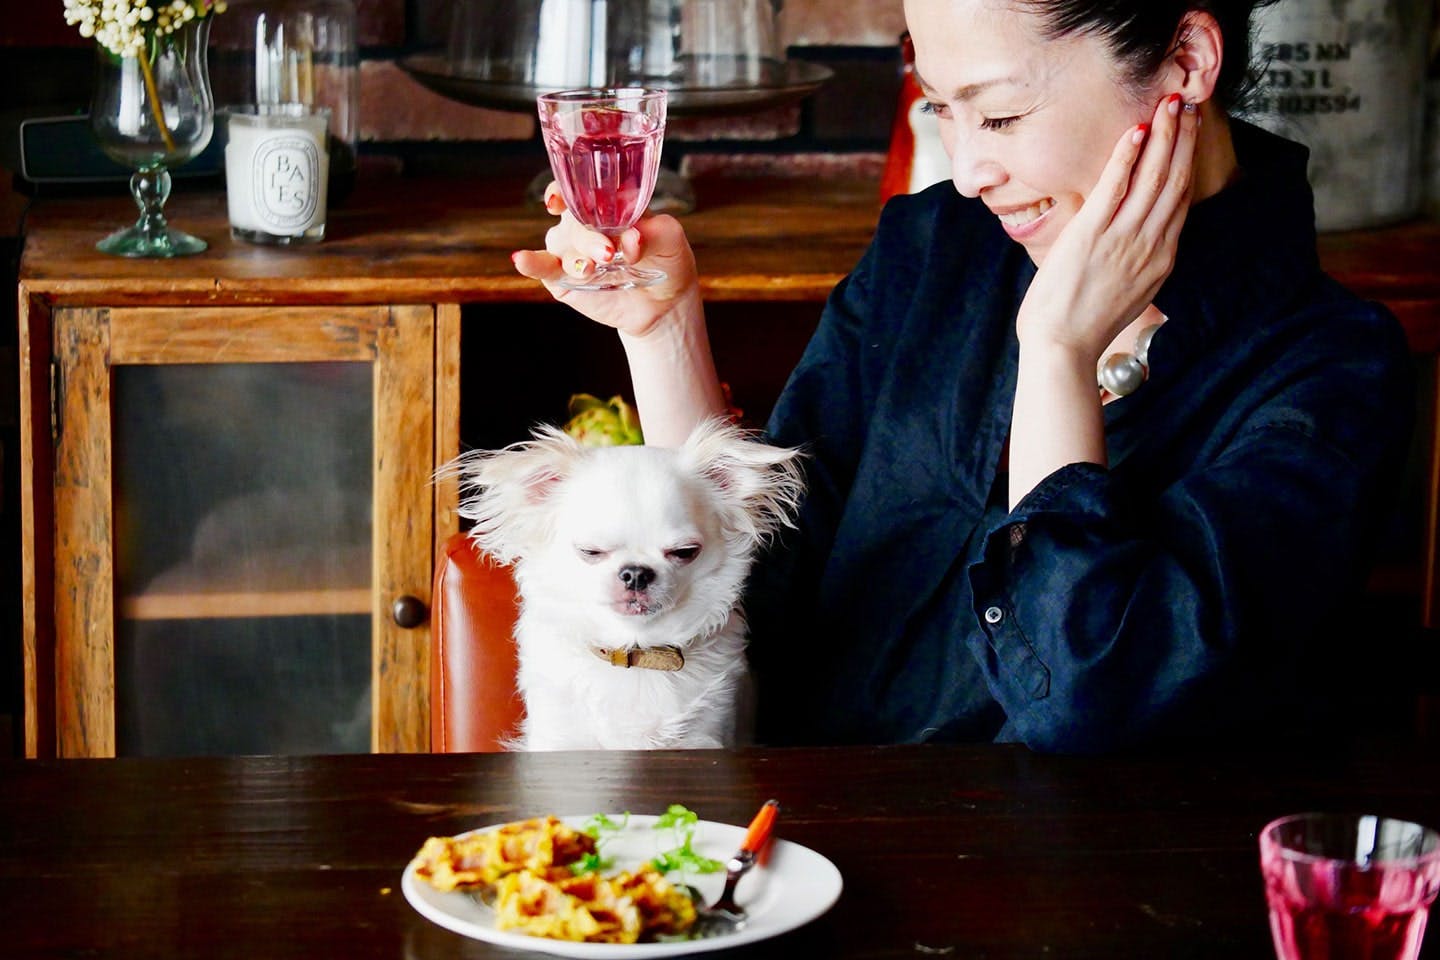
x=591 y=554
x=684 y=554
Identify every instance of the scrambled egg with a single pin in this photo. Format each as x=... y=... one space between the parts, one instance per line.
x=621 y=909
x=523 y=870
x=545 y=847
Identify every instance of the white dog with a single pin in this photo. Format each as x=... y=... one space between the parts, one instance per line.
x=630 y=561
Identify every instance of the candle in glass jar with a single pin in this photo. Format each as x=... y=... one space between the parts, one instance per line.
x=276 y=173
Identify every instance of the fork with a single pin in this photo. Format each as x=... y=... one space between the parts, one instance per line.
x=725 y=915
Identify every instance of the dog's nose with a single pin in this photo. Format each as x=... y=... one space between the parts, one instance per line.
x=636 y=577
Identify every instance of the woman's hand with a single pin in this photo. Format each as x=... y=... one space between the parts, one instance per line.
x=1111 y=259
x=573 y=250
x=1102 y=272
x=662 y=326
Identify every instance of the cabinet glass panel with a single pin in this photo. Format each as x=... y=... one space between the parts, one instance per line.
x=243 y=558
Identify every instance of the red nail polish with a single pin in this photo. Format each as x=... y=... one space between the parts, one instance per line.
x=1143 y=129
x=1172 y=98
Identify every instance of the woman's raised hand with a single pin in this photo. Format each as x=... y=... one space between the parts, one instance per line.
x=571 y=249
x=1100 y=274
x=1112 y=257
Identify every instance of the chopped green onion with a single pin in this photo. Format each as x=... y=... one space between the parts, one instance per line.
x=683 y=856
x=599 y=823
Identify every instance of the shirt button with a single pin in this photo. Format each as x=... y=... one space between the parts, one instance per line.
x=994 y=615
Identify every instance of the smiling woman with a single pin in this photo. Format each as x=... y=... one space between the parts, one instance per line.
x=993 y=546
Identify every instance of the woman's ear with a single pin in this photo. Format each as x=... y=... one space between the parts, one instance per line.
x=1193 y=67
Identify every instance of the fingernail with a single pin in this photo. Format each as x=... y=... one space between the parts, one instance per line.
x=609 y=253
x=550 y=203
x=1172 y=104
x=515 y=257
x=1139 y=134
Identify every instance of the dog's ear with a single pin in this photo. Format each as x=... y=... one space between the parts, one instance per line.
x=506 y=492
x=759 y=485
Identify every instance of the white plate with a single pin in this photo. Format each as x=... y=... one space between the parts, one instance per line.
x=793 y=887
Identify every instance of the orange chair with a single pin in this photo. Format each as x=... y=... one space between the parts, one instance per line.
x=473 y=700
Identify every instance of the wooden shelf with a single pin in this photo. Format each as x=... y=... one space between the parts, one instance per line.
x=423 y=241
x=306 y=580
x=233 y=605
x=398 y=241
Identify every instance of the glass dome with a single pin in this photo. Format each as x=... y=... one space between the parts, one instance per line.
x=275 y=52
x=665 y=43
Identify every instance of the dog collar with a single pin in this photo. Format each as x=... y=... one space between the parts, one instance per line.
x=647 y=658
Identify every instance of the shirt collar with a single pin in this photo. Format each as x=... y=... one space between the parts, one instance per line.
x=1245 y=251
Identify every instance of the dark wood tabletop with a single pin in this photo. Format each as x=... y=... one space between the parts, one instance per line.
x=985 y=851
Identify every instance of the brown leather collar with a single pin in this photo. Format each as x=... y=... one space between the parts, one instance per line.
x=648 y=658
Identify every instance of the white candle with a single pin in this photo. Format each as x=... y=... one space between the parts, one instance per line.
x=277 y=169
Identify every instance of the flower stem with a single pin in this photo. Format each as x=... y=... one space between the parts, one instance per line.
x=154 y=97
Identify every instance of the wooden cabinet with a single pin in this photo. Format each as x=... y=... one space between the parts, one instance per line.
x=242 y=524
x=227 y=460
x=241 y=495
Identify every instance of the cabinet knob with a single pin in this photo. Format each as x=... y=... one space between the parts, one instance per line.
x=409 y=612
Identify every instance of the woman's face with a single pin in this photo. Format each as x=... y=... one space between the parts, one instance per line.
x=1029 y=123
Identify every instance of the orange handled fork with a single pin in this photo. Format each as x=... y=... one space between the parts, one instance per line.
x=725 y=915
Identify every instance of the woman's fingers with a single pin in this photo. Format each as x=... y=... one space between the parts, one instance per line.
x=554 y=199
x=1114 y=183
x=1161 y=181
x=1174 y=196
x=537 y=265
x=1152 y=171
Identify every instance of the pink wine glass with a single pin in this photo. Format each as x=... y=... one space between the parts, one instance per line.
x=1343 y=885
x=604 y=147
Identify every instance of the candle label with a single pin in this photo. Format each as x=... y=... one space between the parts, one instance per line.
x=286 y=182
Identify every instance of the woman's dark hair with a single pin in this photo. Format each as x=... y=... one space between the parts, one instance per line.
x=1141 y=33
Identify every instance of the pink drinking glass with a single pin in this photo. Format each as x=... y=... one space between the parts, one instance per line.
x=604 y=147
x=1349 y=886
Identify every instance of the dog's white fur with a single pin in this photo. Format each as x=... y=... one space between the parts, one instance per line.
x=571 y=519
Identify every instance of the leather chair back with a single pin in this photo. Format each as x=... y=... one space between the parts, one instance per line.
x=473 y=701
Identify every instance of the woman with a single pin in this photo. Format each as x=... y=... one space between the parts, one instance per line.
x=994 y=546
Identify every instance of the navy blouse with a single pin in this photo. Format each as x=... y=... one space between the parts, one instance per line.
x=1188 y=590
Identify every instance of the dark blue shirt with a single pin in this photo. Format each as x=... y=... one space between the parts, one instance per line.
x=1186 y=591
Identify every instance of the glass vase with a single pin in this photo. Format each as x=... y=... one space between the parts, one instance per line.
x=153 y=112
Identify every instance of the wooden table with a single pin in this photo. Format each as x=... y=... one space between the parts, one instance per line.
x=945 y=851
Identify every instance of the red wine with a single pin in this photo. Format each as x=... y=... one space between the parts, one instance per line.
x=607 y=178
x=1333 y=910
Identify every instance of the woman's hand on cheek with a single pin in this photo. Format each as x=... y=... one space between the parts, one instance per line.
x=573 y=250
x=1110 y=260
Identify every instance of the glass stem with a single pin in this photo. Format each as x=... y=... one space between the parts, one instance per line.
x=153 y=96
x=150 y=187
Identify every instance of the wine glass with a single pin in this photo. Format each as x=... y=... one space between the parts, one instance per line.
x=153 y=111
x=604 y=147
x=1346 y=885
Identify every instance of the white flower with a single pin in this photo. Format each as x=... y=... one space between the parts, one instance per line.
x=124 y=26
